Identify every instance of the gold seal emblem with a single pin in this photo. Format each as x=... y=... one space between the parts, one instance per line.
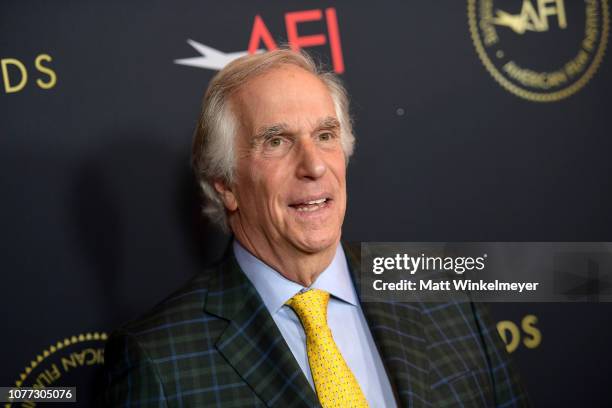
x=540 y=50
x=62 y=364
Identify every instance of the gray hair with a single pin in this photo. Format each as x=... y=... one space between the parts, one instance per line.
x=212 y=156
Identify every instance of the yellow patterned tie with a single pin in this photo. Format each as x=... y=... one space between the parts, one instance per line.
x=334 y=381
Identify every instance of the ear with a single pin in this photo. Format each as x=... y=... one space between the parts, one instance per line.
x=227 y=195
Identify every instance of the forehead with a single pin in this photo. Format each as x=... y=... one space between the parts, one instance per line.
x=287 y=94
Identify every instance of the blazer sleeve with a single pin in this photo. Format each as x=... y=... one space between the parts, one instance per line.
x=508 y=388
x=132 y=378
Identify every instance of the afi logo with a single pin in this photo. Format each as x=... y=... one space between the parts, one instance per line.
x=531 y=19
x=214 y=59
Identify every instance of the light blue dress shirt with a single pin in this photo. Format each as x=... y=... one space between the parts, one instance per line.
x=344 y=316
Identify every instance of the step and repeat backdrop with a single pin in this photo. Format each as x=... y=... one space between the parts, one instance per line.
x=476 y=120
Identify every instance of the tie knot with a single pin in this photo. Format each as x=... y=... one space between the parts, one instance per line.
x=311 y=307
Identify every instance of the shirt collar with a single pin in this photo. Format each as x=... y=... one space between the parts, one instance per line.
x=275 y=289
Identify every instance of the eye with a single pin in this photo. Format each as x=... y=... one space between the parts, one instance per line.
x=275 y=142
x=325 y=137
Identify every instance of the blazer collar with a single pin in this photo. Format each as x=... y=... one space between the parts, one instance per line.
x=399 y=334
x=251 y=341
x=253 y=345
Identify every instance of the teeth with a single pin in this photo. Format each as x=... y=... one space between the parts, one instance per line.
x=312 y=205
x=320 y=201
x=307 y=209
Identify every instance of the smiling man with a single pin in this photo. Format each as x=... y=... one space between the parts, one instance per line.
x=286 y=201
x=278 y=322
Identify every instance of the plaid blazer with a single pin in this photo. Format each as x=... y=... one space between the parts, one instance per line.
x=214 y=344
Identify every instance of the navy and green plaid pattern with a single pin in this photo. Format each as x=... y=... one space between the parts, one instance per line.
x=214 y=344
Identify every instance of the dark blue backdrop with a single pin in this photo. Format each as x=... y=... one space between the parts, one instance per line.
x=99 y=211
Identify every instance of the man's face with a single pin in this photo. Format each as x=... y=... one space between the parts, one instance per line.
x=289 y=191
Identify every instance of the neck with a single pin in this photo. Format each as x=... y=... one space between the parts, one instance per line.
x=293 y=263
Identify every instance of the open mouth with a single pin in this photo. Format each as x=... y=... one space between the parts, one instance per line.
x=312 y=205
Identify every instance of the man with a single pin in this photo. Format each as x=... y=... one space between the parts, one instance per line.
x=278 y=322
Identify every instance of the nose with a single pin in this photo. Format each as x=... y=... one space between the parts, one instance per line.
x=311 y=164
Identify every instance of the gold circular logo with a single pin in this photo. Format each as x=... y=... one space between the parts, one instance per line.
x=62 y=363
x=540 y=50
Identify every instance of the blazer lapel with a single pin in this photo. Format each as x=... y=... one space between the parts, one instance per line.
x=399 y=334
x=252 y=343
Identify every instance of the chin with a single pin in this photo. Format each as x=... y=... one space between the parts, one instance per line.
x=317 y=242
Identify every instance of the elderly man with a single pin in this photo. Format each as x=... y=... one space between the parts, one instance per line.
x=279 y=322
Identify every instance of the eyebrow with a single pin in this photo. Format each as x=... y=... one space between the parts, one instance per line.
x=277 y=129
x=266 y=132
x=329 y=123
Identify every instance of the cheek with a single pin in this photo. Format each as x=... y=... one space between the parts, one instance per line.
x=339 y=170
x=248 y=191
x=268 y=185
x=340 y=175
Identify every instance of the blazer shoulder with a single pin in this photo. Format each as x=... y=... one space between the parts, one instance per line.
x=184 y=305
